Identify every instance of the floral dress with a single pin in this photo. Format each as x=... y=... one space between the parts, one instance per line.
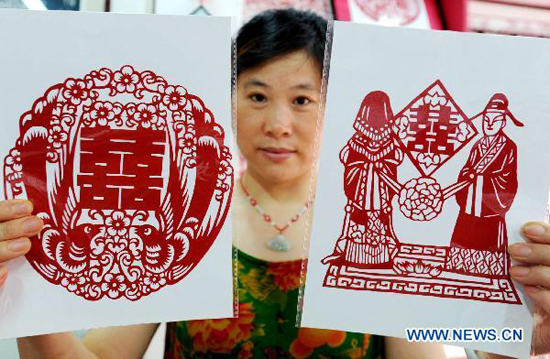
x=265 y=328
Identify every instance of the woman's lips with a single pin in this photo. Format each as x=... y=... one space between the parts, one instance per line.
x=277 y=154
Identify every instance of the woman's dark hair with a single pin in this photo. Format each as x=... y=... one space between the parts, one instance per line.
x=275 y=33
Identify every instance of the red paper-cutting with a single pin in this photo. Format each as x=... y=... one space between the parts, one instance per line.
x=368 y=239
x=489 y=185
x=430 y=130
x=131 y=177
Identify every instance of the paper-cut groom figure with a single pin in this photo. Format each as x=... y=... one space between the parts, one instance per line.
x=480 y=239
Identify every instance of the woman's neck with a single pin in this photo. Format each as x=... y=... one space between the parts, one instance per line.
x=288 y=192
x=280 y=201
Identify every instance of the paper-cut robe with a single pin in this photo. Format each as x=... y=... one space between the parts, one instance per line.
x=479 y=241
x=367 y=238
x=368 y=230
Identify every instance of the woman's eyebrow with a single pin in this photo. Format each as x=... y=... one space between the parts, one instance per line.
x=306 y=86
x=255 y=82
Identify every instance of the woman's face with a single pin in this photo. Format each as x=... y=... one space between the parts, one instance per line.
x=277 y=111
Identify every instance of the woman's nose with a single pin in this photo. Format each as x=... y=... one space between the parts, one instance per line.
x=279 y=122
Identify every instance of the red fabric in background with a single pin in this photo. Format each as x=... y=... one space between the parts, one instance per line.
x=455 y=14
x=434 y=14
x=341 y=10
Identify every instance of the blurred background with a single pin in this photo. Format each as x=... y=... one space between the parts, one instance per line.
x=509 y=17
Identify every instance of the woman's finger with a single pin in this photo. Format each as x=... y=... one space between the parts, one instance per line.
x=22 y=227
x=13 y=209
x=535 y=275
x=14 y=248
x=540 y=296
x=531 y=253
x=3 y=274
x=538 y=232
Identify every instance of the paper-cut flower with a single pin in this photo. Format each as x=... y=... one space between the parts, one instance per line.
x=154 y=281
x=416 y=267
x=113 y=285
x=187 y=142
x=429 y=159
x=13 y=160
x=57 y=136
x=435 y=100
x=102 y=113
x=117 y=223
x=73 y=282
x=126 y=79
x=146 y=115
x=174 y=97
x=75 y=91
x=421 y=199
x=225 y=169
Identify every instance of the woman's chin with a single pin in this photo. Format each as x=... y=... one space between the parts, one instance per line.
x=279 y=173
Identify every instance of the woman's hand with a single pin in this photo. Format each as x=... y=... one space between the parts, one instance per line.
x=16 y=226
x=534 y=272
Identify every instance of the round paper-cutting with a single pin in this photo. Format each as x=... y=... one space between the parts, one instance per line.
x=131 y=176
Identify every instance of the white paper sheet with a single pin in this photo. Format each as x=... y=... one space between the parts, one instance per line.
x=403 y=63
x=42 y=49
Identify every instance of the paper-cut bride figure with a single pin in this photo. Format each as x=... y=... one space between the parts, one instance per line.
x=368 y=239
x=480 y=239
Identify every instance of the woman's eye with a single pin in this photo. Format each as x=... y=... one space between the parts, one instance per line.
x=258 y=97
x=301 y=101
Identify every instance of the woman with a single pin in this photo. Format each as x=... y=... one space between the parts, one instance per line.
x=279 y=77
x=280 y=60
